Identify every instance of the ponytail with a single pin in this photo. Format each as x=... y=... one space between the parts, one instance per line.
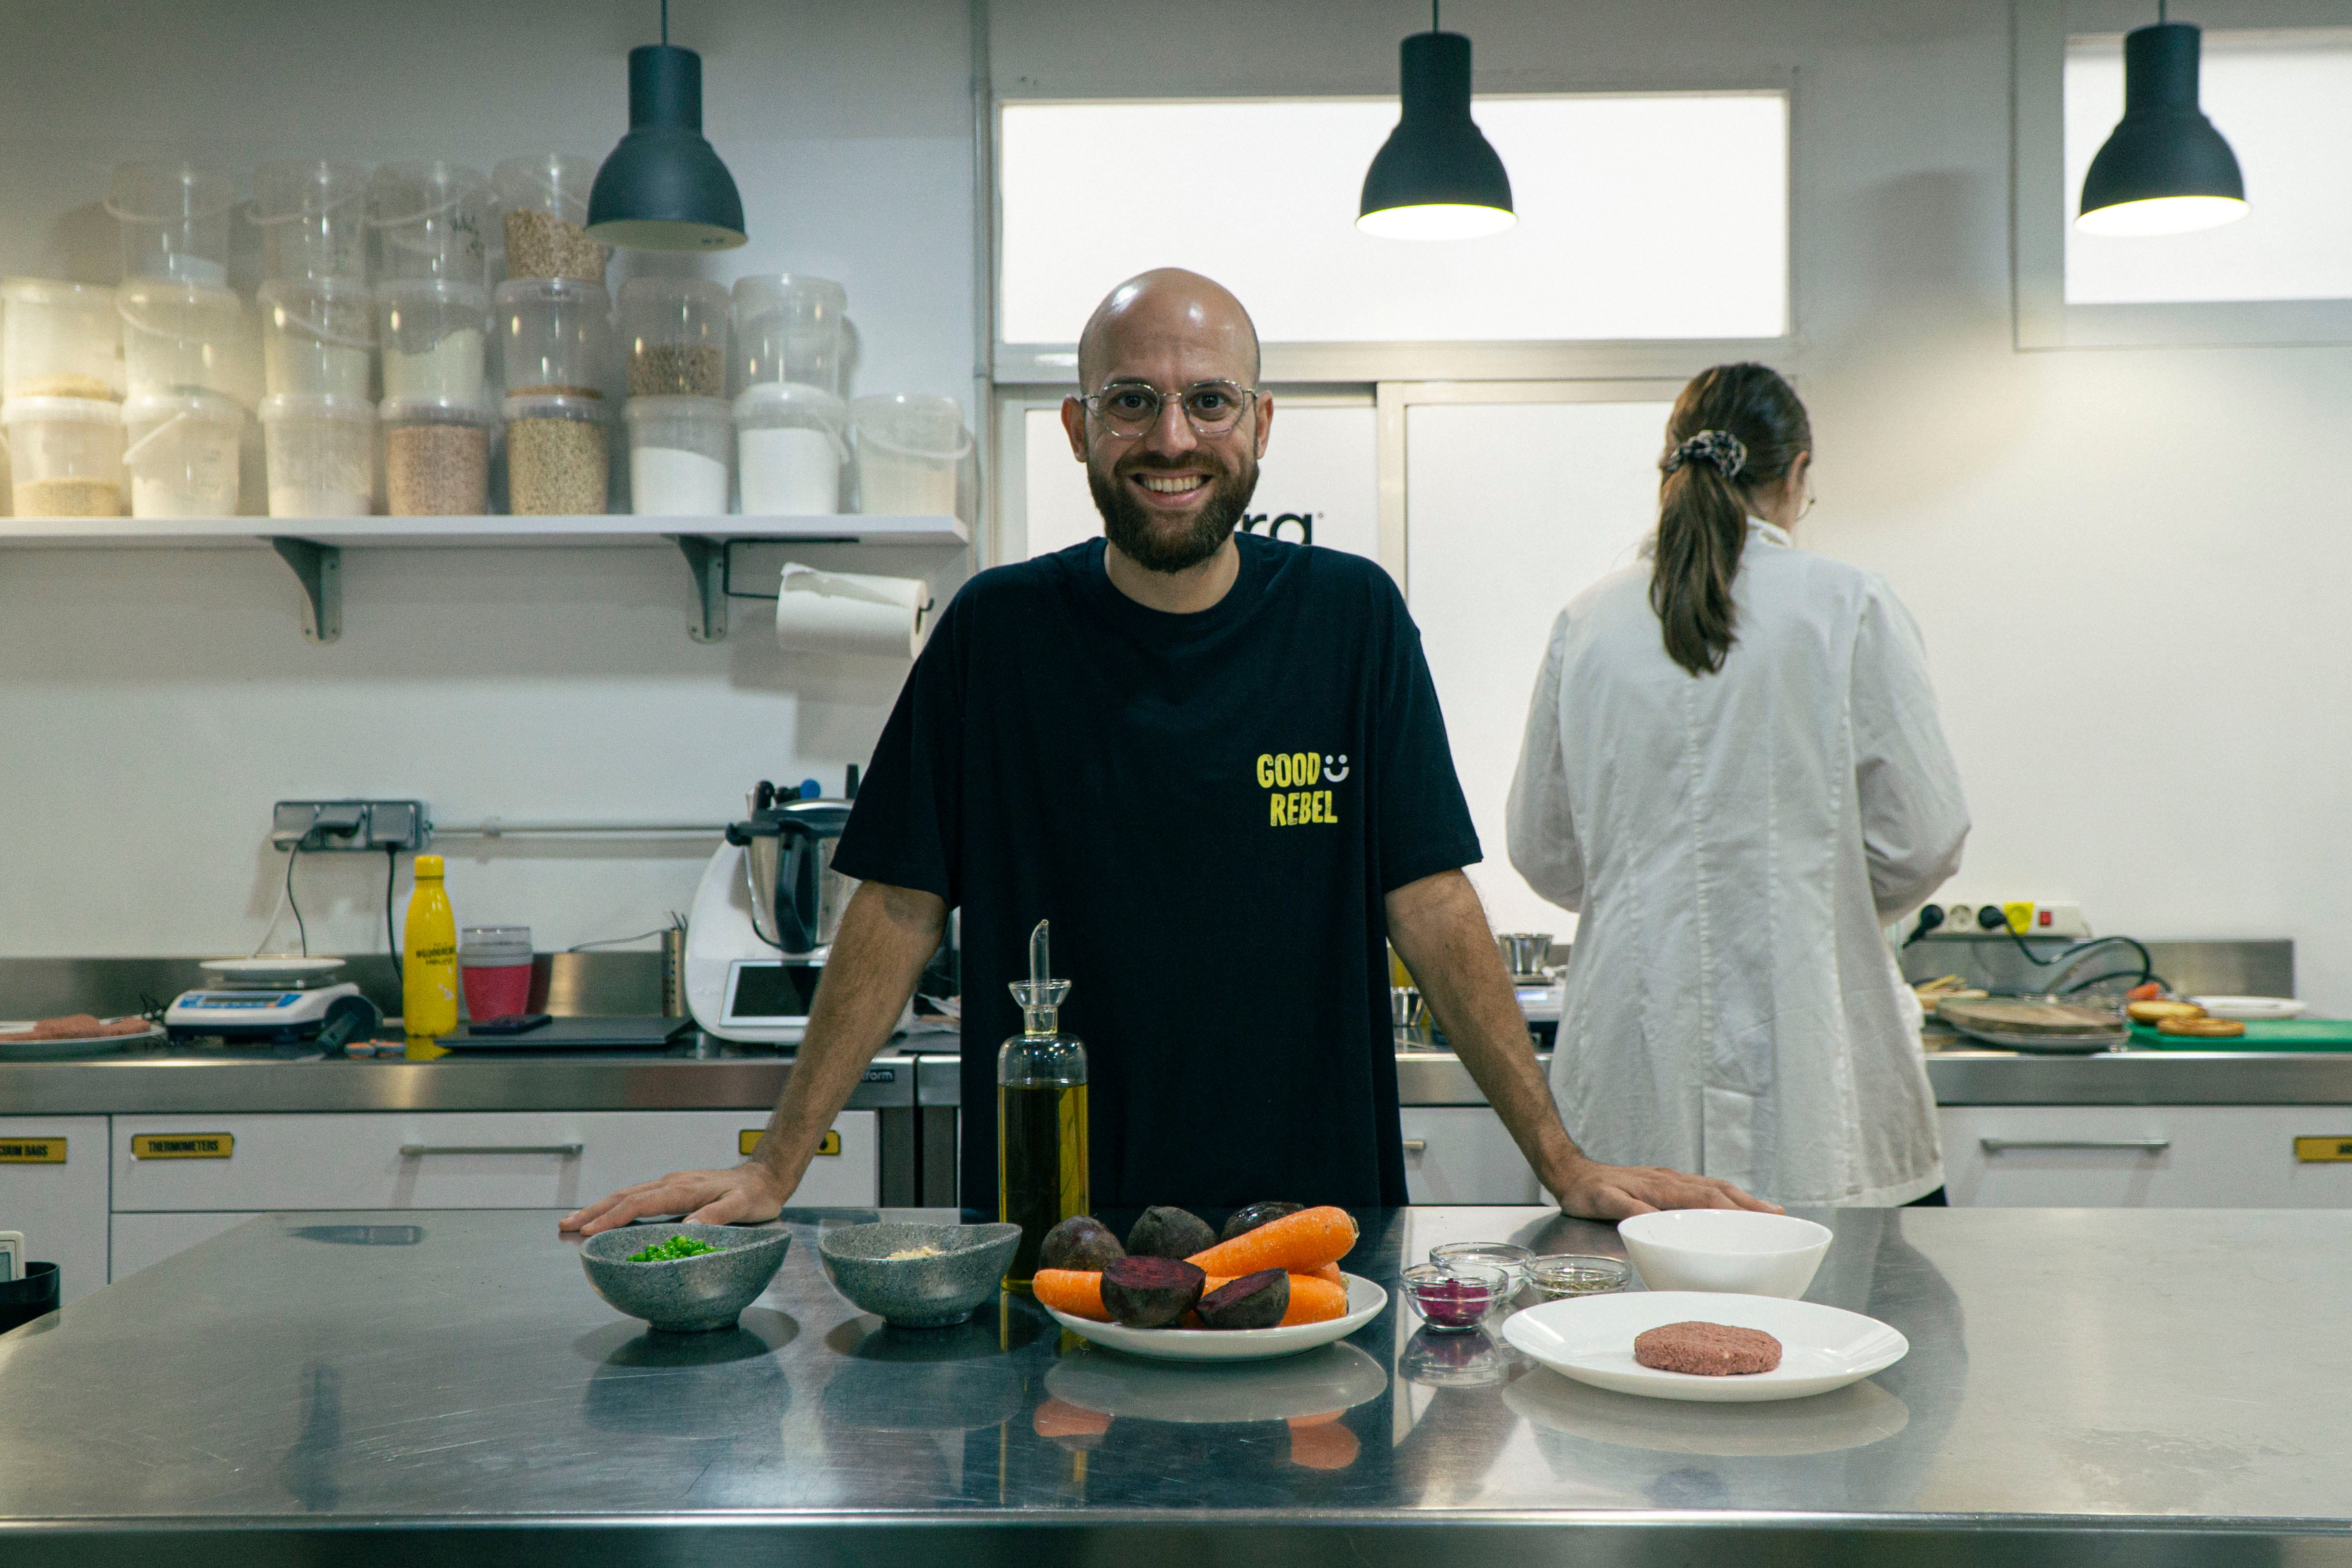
x=1734 y=429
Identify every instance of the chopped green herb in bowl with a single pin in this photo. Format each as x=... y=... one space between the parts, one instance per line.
x=669 y=1251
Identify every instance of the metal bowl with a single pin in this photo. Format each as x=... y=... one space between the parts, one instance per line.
x=685 y=1295
x=935 y=1292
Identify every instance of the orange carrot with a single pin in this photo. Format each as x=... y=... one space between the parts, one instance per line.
x=1315 y=1300
x=1298 y=1242
x=1076 y=1291
x=1060 y=1419
x=1328 y=1271
x=1320 y=1443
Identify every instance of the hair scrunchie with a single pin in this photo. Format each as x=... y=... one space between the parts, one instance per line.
x=1720 y=448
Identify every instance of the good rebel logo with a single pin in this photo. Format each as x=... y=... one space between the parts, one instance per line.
x=1293 y=777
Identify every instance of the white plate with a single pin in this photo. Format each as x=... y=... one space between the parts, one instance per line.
x=271 y=966
x=1850 y=1417
x=2251 y=1009
x=48 y=1050
x=1332 y=1377
x=1591 y=1340
x=1365 y=1300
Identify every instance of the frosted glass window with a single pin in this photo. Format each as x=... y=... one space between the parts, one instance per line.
x=1318 y=484
x=1511 y=510
x=2285 y=102
x=1613 y=241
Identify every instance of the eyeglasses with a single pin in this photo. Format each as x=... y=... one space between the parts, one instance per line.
x=1132 y=407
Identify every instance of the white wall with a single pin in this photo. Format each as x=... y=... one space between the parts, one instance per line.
x=2123 y=560
x=153 y=704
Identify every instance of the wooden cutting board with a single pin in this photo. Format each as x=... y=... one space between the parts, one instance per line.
x=2023 y=1015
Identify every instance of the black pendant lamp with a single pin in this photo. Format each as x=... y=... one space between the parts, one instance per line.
x=663 y=188
x=2164 y=169
x=1436 y=177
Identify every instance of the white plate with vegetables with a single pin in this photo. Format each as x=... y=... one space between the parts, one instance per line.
x=1365 y=1300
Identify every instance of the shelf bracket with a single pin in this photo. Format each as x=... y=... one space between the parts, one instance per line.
x=707 y=559
x=319 y=569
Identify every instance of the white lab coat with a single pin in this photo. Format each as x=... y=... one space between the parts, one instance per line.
x=1736 y=844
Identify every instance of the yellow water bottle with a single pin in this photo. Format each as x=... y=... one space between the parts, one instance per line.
x=428 y=971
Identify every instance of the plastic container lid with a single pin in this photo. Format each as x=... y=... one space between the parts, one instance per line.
x=714 y=410
x=290 y=405
x=555 y=405
x=56 y=291
x=60 y=411
x=557 y=290
x=768 y=403
x=218 y=407
x=436 y=291
x=762 y=292
x=913 y=424
x=433 y=411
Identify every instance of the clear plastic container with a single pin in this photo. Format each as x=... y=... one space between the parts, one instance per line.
x=174 y=220
x=557 y=333
x=788 y=449
x=558 y=462
x=493 y=965
x=180 y=454
x=318 y=336
x=179 y=337
x=59 y=339
x=313 y=219
x=789 y=328
x=321 y=453
x=67 y=453
x=430 y=220
x=676 y=331
x=437 y=459
x=543 y=206
x=909 y=447
x=432 y=331
x=679 y=453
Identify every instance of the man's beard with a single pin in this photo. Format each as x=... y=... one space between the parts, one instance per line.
x=1135 y=528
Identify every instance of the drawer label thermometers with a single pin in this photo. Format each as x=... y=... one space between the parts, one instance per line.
x=32 y=1151
x=747 y=1140
x=182 y=1146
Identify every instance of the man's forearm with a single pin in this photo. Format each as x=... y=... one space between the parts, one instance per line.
x=886 y=935
x=1440 y=929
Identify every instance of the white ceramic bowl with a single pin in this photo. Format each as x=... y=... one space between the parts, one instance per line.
x=1725 y=1249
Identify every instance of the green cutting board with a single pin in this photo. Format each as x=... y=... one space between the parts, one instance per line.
x=2290 y=1034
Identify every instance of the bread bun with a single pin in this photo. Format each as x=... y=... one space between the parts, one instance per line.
x=2157 y=1012
x=2200 y=1027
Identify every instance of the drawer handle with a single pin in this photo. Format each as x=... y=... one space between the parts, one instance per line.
x=2136 y=1145
x=1416 y=1145
x=418 y=1150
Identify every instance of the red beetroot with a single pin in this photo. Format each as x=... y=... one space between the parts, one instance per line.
x=1253 y=1302
x=1151 y=1292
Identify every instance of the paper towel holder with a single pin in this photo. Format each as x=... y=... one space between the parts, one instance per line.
x=712 y=561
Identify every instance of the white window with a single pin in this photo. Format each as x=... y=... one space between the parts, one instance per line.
x=2284 y=101
x=1644 y=216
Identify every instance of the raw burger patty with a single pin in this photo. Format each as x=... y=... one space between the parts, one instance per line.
x=1709 y=1350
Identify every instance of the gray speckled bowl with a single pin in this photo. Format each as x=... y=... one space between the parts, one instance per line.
x=685 y=1295
x=919 y=1292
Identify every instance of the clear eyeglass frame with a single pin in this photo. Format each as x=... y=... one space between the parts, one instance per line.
x=1133 y=422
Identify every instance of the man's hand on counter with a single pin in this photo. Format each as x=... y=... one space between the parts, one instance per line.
x=747 y=1193
x=1590 y=1190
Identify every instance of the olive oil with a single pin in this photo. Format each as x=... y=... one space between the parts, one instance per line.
x=1040 y=1116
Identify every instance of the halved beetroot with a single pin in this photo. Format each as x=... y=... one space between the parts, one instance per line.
x=1253 y=1302
x=1151 y=1292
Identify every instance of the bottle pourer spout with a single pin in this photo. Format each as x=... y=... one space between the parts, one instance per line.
x=1040 y=995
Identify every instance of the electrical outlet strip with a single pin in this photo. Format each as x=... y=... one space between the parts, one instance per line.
x=2026 y=917
x=327 y=826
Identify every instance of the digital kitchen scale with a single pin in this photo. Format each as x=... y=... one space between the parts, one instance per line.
x=278 y=1000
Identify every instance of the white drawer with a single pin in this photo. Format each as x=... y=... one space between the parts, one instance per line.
x=2143 y=1156
x=60 y=1205
x=397 y=1160
x=1463 y=1154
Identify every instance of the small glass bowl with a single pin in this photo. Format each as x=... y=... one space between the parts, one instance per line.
x=1508 y=1257
x=1567 y=1274
x=1453 y=1297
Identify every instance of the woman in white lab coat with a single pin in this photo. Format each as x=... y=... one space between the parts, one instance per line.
x=1734 y=773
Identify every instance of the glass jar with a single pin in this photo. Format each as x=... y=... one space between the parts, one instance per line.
x=788 y=449
x=430 y=220
x=318 y=336
x=557 y=334
x=437 y=459
x=175 y=221
x=543 y=206
x=59 y=339
x=313 y=219
x=909 y=449
x=181 y=454
x=557 y=460
x=676 y=331
x=789 y=328
x=679 y=450
x=432 y=332
x=180 y=337
x=66 y=456
x=321 y=453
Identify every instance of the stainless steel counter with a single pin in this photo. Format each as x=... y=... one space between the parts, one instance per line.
x=2112 y=1387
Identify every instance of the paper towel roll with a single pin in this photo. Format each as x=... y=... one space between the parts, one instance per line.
x=848 y=611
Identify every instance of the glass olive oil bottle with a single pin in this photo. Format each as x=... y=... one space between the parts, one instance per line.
x=1040 y=1116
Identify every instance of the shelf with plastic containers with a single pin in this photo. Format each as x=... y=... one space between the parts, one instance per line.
x=559 y=461
x=312 y=215
x=321 y=449
x=173 y=220
x=790 y=328
x=543 y=209
x=432 y=333
x=910 y=451
x=436 y=456
x=676 y=330
x=318 y=336
x=430 y=221
x=679 y=452
x=180 y=454
x=790 y=449
x=59 y=339
x=66 y=456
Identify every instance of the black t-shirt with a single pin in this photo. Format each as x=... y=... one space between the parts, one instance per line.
x=1208 y=808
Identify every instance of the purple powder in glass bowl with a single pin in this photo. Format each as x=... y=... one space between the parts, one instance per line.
x=1453 y=1298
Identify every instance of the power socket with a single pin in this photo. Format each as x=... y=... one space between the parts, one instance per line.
x=330 y=825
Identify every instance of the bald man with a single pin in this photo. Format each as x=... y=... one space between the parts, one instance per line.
x=1215 y=762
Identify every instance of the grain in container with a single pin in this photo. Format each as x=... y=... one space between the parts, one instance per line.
x=436 y=457
x=180 y=337
x=431 y=331
x=180 y=454
x=430 y=221
x=790 y=328
x=557 y=460
x=174 y=220
x=557 y=334
x=543 y=210
x=66 y=454
x=678 y=451
x=313 y=218
x=788 y=449
x=318 y=336
x=59 y=339
x=910 y=448
x=321 y=449
x=676 y=329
